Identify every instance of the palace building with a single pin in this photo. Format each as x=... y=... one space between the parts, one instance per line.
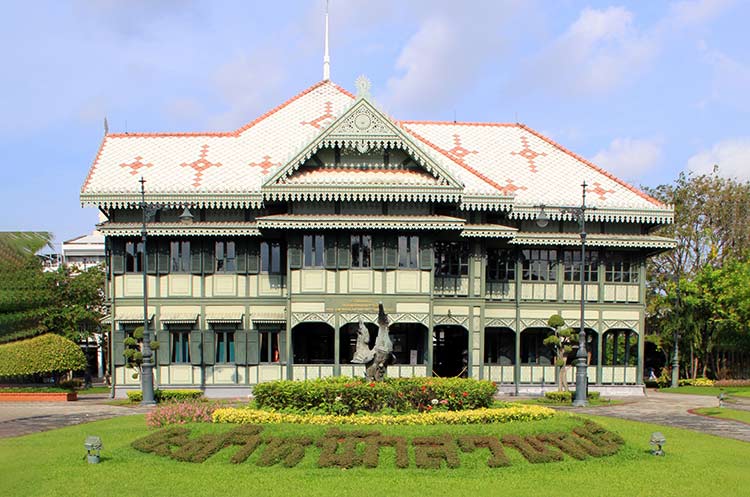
x=271 y=242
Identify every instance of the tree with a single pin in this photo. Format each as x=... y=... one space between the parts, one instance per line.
x=78 y=302
x=561 y=342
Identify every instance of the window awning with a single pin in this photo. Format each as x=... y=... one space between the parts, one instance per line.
x=224 y=317
x=178 y=317
x=131 y=316
x=269 y=318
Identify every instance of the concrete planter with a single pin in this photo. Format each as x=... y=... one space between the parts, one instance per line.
x=38 y=396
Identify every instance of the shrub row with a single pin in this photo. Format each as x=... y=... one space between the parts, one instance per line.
x=567 y=397
x=352 y=395
x=44 y=354
x=243 y=415
x=697 y=382
x=732 y=383
x=167 y=395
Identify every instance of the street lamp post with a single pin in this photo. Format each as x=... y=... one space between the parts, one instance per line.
x=579 y=213
x=147 y=367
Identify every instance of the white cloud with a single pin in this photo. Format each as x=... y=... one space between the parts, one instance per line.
x=731 y=155
x=695 y=12
x=630 y=158
x=730 y=79
x=599 y=52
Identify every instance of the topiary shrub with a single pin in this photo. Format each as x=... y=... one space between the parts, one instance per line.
x=351 y=395
x=167 y=395
x=566 y=397
x=45 y=354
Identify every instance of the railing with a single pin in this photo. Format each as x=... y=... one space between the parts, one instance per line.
x=451 y=285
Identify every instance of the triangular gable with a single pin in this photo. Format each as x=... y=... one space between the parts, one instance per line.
x=364 y=128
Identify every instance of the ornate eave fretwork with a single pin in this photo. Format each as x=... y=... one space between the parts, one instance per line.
x=410 y=317
x=364 y=128
x=575 y=324
x=621 y=324
x=360 y=193
x=181 y=229
x=533 y=323
x=450 y=319
x=312 y=317
x=352 y=317
x=337 y=221
x=206 y=200
x=486 y=202
x=611 y=215
x=500 y=323
x=594 y=240
x=488 y=231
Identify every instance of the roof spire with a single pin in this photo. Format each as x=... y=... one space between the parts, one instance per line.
x=326 y=58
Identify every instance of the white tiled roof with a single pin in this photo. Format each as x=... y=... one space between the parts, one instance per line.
x=491 y=160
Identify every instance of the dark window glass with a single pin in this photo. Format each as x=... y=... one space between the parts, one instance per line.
x=180 y=256
x=361 y=249
x=225 y=257
x=272 y=257
x=619 y=268
x=451 y=259
x=501 y=265
x=408 y=250
x=224 y=345
x=539 y=265
x=133 y=257
x=268 y=343
x=180 y=346
x=313 y=247
x=572 y=266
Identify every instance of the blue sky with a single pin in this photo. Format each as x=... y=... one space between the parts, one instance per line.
x=646 y=89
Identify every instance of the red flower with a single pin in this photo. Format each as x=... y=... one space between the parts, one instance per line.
x=465 y=394
x=429 y=408
x=372 y=384
x=424 y=388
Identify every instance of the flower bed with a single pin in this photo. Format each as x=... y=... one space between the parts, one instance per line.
x=171 y=413
x=243 y=415
x=351 y=395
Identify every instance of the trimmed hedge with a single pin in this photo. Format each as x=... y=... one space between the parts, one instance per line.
x=566 y=397
x=732 y=383
x=344 y=396
x=167 y=395
x=243 y=415
x=44 y=354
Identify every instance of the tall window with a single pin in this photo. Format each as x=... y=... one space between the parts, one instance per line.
x=539 y=265
x=268 y=343
x=313 y=246
x=572 y=265
x=179 y=256
x=451 y=259
x=224 y=345
x=619 y=268
x=180 y=341
x=133 y=257
x=272 y=257
x=501 y=265
x=225 y=255
x=408 y=248
x=361 y=249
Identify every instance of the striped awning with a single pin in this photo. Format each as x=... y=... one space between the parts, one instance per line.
x=224 y=317
x=178 y=317
x=269 y=318
x=131 y=316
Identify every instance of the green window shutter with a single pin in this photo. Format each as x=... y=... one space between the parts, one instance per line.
x=164 y=354
x=119 y=347
x=253 y=257
x=329 y=259
x=240 y=347
x=282 y=347
x=195 y=257
x=209 y=352
x=252 y=347
x=151 y=252
x=344 y=251
x=378 y=254
x=295 y=253
x=195 y=347
x=425 y=253
x=118 y=256
x=391 y=252
x=163 y=257
x=241 y=248
x=208 y=256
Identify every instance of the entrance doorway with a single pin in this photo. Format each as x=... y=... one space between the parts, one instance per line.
x=451 y=345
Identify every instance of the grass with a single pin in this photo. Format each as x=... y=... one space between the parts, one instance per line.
x=52 y=463
x=725 y=413
x=715 y=391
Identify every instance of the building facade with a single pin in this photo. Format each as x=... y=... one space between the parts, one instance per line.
x=271 y=242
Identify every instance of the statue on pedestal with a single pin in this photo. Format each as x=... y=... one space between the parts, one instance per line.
x=377 y=359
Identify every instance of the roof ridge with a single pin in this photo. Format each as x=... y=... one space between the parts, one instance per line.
x=464 y=123
x=606 y=173
x=239 y=130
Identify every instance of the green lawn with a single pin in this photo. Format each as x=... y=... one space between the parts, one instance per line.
x=52 y=463
x=715 y=391
x=725 y=413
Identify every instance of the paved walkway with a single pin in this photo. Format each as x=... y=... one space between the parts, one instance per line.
x=22 y=418
x=671 y=409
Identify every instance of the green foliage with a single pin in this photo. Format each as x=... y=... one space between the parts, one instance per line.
x=567 y=397
x=561 y=342
x=352 y=395
x=167 y=395
x=40 y=355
